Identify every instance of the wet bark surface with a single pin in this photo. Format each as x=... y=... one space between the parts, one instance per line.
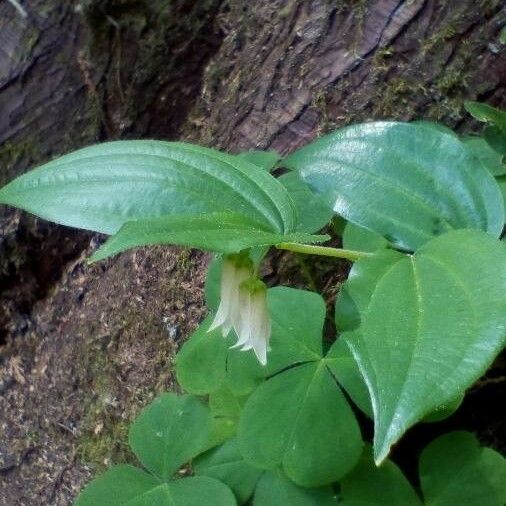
x=84 y=348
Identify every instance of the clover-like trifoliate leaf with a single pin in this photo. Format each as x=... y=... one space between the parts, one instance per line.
x=169 y=432
x=453 y=469
x=429 y=328
x=274 y=488
x=206 y=362
x=300 y=420
x=102 y=187
x=225 y=463
x=407 y=182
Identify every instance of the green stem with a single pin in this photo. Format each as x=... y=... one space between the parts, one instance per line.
x=325 y=251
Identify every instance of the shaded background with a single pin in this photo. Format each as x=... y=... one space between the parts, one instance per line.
x=83 y=349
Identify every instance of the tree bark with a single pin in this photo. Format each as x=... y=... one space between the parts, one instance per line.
x=86 y=347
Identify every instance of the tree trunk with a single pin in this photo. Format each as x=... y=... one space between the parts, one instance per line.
x=86 y=347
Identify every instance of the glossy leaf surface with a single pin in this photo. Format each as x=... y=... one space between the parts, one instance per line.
x=407 y=182
x=437 y=318
x=361 y=239
x=102 y=187
x=219 y=232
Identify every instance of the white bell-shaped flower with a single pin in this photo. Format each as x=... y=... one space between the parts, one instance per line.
x=254 y=329
x=236 y=269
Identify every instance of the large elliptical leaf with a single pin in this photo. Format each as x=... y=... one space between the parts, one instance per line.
x=404 y=181
x=102 y=187
x=433 y=324
x=219 y=232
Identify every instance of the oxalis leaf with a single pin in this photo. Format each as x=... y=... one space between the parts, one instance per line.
x=454 y=470
x=219 y=232
x=169 y=432
x=205 y=362
x=269 y=488
x=102 y=187
x=128 y=486
x=425 y=327
x=407 y=182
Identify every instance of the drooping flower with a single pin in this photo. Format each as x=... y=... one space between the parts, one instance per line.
x=254 y=329
x=236 y=269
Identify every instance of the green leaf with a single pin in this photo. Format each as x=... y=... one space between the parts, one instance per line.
x=266 y=160
x=501 y=181
x=438 y=319
x=345 y=369
x=455 y=470
x=313 y=212
x=496 y=138
x=220 y=232
x=406 y=182
x=354 y=296
x=118 y=486
x=490 y=158
x=169 y=432
x=102 y=187
x=197 y=491
x=205 y=361
x=226 y=464
x=300 y=420
x=226 y=409
x=368 y=485
x=274 y=488
x=486 y=113
x=361 y=239
x=444 y=411
x=201 y=362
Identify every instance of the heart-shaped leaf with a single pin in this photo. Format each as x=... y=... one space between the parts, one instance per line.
x=274 y=488
x=205 y=361
x=480 y=479
x=220 y=232
x=118 y=486
x=404 y=181
x=126 y=485
x=454 y=470
x=312 y=432
x=377 y=486
x=169 y=432
x=225 y=463
x=437 y=318
x=102 y=187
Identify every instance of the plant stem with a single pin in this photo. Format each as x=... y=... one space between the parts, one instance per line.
x=325 y=251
